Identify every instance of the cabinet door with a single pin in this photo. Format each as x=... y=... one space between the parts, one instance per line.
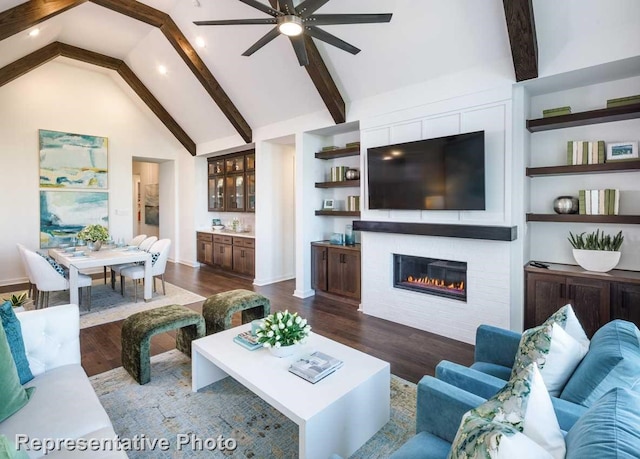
x=249 y=258
x=590 y=301
x=250 y=161
x=205 y=252
x=546 y=293
x=625 y=302
x=250 y=178
x=222 y=256
x=216 y=193
x=334 y=271
x=216 y=167
x=234 y=189
x=318 y=268
x=351 y=273
x=235 y=164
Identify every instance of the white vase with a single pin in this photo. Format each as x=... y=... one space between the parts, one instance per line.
x=94 y=245
x=284 y=351
x=599 y=261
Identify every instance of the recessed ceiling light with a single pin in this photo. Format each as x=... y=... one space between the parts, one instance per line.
x=200 y=43
x=162 y=69
x=34 y=33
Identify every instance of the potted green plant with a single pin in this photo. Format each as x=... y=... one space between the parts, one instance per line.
x=282 y=332
x=94 y=236
x=596 y=251
x=18 y=301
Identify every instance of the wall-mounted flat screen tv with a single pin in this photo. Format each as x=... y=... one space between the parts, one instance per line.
x=445 y=173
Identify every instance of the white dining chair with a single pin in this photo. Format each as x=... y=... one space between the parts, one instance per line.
x=133 y=242
x=144 y=245
x=33 y=291
x=47 y=279
x=136 y=272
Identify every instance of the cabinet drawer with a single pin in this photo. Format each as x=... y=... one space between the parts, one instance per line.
x=244 y=242
x=222 y=239
x=205 y=237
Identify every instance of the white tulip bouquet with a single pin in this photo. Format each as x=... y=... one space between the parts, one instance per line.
x=283 y=329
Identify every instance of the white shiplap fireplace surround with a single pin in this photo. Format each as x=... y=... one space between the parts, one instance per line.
x=494 y=268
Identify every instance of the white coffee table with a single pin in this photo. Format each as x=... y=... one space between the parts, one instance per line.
x=336 y=415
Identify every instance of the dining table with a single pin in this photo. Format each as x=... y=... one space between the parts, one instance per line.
x=83 y=258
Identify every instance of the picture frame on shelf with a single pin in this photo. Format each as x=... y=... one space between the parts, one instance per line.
x=328 y=204
x=622 y=151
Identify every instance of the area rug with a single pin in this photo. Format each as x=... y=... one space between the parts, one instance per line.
x=108 y=305
x=166 y=407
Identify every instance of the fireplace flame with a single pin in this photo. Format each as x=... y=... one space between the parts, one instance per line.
x=428 y=282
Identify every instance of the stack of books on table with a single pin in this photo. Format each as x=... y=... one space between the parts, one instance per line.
x=247 y=340
x=585 y=152
x=599 y=202
x=315 y=366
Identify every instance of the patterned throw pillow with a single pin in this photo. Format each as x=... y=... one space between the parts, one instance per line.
x=566 y=318
x=54 y=264
x=154 y=258
x=479 y=438
x=554 y=350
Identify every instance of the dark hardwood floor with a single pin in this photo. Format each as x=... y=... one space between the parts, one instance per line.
x=412 y=353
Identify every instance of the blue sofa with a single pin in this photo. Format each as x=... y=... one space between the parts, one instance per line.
x=613 y=360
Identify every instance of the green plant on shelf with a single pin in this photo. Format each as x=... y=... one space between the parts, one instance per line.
x=596 y=241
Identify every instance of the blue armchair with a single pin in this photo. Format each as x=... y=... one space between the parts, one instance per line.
x=439 y=410
x=613 y=360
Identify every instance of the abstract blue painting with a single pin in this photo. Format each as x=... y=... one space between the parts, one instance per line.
x=72 y=160
x=64 y=213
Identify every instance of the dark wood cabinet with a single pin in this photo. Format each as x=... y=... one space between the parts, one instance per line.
x=244 y=256
x=223 y=252
x=231 y=182
x=596 y=298
x=204 y=252
x=336 y=269
x=318 y=267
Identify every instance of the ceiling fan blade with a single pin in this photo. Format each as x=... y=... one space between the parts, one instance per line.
x=331 y=39
x=301 y=50
x=237 y=22
x=273 y=33
x=262 y=7
x=287 y=6
x=308 y=7
x=331 y=19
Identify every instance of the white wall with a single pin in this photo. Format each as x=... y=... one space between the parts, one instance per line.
x=68 y=98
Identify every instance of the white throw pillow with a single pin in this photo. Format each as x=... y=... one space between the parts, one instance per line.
x=566 y=318
x=523 y=406
x=554 y=350
x=479 y=438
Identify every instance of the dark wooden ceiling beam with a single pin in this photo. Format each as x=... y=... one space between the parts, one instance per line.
x=32 y=13
x=522 y=37
x=149 y=15
x=324 y=83
x=34 y=60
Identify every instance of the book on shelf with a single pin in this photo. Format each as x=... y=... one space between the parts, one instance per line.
x=585 y=152
x=621 y=101
x=247 y=340
x=599 y=202
x=315 y=366
x=556 y=111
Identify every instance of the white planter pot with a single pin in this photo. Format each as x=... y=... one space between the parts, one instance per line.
x=18 y=309
x=284 y=351
x=599 y=261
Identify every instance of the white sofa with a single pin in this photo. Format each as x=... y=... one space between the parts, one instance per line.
x=64 y=405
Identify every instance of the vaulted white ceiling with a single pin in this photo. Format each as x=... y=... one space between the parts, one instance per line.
x=425 y=39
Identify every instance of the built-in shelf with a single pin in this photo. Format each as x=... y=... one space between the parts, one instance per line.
x=491 y=233
x=603 y=115
x=620 y=166
x=340 y=184
x=339 y=153
x=339 y=213
x=579 y=218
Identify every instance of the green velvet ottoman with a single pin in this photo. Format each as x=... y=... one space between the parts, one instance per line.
x=138 y=329
x=219 y=309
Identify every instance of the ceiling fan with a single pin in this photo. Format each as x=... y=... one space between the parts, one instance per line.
x=295 y=21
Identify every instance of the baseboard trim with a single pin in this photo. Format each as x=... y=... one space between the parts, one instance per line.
x=303 y=294
x=262 y=282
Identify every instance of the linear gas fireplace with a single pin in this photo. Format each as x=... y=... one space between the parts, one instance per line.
x=430 y=275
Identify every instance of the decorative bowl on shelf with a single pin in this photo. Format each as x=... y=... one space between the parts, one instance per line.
x=218 y=227
x=599 y=261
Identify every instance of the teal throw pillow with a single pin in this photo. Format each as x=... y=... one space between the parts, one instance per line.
x=609 y=429
x=12 y=395
x=8 y=450
x=13 y=331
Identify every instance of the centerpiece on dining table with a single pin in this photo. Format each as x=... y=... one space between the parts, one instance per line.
x=283 y=332
x=94 y=236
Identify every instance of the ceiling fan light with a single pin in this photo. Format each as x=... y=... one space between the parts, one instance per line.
x=290 y=25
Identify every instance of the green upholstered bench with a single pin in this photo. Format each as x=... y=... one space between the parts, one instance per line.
x=219 y=309
x=138 y=329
